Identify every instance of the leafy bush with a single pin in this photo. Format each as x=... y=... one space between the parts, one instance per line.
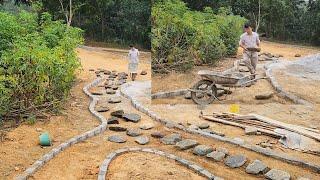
x=38 y=62
x=181 y=37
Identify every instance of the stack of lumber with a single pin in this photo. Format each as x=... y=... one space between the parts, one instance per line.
x=264 y=125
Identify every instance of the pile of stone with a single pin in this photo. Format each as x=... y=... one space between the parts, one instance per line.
x=266 y=56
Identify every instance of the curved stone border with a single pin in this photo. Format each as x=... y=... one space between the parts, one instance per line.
x=55 y=151
x=170 y=124
x=281 y=92
x=190 y=165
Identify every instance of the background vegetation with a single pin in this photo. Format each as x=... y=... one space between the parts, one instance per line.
x=285 y=20
x=38 y=63
x=182 y=37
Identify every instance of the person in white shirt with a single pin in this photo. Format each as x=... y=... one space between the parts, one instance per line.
x=133 y=58
x=249 y=40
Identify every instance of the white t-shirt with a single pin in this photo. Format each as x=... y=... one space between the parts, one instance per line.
x=133 y=55
x=250 y=41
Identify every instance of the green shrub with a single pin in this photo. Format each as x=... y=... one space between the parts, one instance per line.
x=38 y=62
x=181 y=37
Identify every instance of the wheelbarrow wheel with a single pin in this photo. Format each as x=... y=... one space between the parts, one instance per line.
x=205 y=92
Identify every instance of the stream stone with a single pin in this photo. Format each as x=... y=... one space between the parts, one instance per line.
x=264 y=96
x=204 y=126
x=235 y=161
x=275 y=174
x=117 y=139
x=142 y=140
x=224 y=150
x=102 y=108
x=143 y=73
x=202 y=150
x=132 y=117
x=157 y=134
x=97 y=93
x=186 y=144
x=114 y=87
x=171 y=139
x=147 y=126
x=117 y=128
x=216 y=155
x=195 y=127
x=118 y=113
x=106 y=72
x=113 y=120
x=187 y=95
x=133 y=132
x=110 y=91
x=256 y=167
x=114 y=99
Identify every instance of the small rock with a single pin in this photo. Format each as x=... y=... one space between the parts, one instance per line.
x=143 y=73
x=250 y=131
x=39 y=129
x=275 y=174
x=132 y=117
x=186 y=144
x=216 y=155
x=264 y=96
x=297 y=55
x=302 y=178
x=256 y=167
x=170 y=173
x=187 y=95
x=117 y=139
x=117 y=128
x=235 y=161
x=147 y=126
x=114 y=87
x=266 y=145
x=91 y=70
x=202 y=150
x=142 y=140
x=114 y=99
x=171 y=139
x=113 y=120
x=224 y=150
x=97 y=93
x=106 y=72
x=170 y=125
x=118 y=113
x=133 y=132
x=102 y=108
x=204 y=126
x=157 y=134
x=16 y=168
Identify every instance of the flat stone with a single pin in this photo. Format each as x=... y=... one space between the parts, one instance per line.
x=250 y=131
x=186 y=144
x=133 y=132
x=204 y=126
x=118 y=113
x=202 y=150
x=171 y=139
x=142 y=140
x=216 y=155
x=110 y=91
x=157 y=134
x=143 y=73
x=114 y=99
x=275 y=174
x=256 y=167
x=235 y=161
x=132 y=117
x=102 y=108
x=147 y=126
x=113 y=120
x=224 y=150
x=117 y=128
x=264 y=96
x=117 y=139
x=97 y=93
x=187 y=95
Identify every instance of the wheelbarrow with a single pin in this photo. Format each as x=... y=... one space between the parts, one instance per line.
x=205 y=91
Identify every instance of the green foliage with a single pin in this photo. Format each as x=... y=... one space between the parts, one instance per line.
x=181 y=37
x=38 y=61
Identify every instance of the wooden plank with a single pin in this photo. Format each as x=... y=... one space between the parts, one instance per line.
x=263 y=131
x=289 y=127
